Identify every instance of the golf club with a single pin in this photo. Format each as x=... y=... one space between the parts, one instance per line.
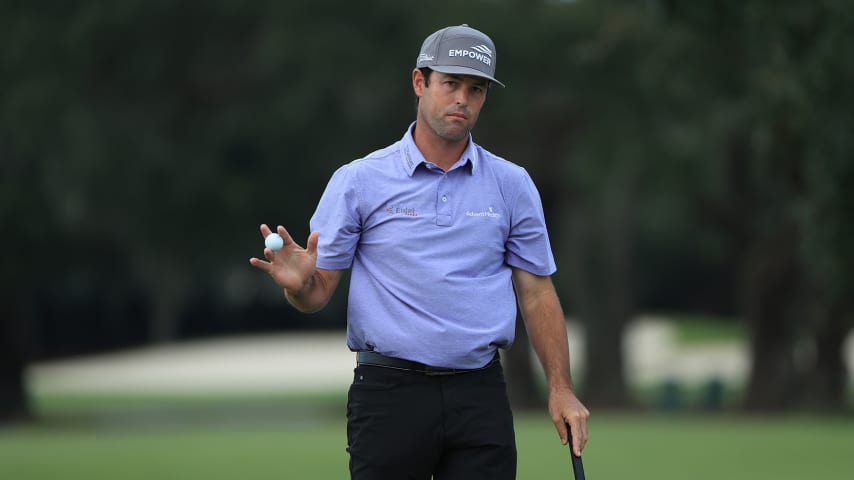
x=577 y=466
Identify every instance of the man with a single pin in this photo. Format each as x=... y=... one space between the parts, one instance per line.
x=439 y=233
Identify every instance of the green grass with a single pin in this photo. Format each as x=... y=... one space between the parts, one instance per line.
x=697 y=448
x=304 y=438
x=219 y=452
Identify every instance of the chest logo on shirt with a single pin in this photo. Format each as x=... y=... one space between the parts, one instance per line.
x=490 y=213
x=401 y=210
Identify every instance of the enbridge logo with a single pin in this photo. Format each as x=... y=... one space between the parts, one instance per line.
x=401 y=210
x=477 y=52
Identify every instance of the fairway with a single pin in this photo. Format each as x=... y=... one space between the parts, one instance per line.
x=300 y=444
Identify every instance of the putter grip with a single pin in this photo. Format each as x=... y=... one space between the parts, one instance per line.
x=577 y=466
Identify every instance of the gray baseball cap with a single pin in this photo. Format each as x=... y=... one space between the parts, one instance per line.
x=459 y=50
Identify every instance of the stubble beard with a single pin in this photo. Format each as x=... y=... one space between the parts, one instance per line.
x=448 y=130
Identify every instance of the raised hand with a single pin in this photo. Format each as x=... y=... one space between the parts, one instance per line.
x=292 y=266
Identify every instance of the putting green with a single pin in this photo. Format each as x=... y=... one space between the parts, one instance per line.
x=228 y=443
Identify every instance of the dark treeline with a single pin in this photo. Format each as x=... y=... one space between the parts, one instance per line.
x=692 y=156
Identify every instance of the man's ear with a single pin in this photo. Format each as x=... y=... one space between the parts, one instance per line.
x=418 y=82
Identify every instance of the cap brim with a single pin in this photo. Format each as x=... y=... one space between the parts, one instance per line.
x=456 y=70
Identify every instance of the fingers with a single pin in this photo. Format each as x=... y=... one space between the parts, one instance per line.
x=268 y=254
x=260 y=264
x=578 y=429
x=286 y=237
x=570 y=420
x=578 y=432
x=287 y=241
x=277 y=260
x=562 y=429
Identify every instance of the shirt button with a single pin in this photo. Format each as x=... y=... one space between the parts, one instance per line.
x=444 y=198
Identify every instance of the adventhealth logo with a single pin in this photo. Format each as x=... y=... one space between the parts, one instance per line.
x=491 y=213
x=477 y=52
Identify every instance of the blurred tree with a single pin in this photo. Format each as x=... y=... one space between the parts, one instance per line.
x=774 y=86
x=149 y=140
x=32 y=251
x=692 y=126
x=824 y=215
x=22 y=228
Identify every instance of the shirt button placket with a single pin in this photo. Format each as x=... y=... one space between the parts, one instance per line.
x=443 y=207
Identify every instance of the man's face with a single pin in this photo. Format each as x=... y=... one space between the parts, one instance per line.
x=450 y=104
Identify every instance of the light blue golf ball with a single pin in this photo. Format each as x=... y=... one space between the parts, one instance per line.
x=274 y=241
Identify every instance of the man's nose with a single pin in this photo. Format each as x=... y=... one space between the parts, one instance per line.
x=462 y=97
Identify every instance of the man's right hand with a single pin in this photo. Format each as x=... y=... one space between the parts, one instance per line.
x=292 y=267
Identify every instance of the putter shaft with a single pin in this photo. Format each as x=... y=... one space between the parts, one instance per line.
x=577 y=465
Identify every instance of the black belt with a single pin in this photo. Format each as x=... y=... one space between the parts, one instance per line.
x=378 y=360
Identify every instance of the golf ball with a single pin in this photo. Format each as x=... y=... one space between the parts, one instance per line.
x=274 y=241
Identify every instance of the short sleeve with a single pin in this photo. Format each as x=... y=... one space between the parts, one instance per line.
x=528 y=245
x=338 y=221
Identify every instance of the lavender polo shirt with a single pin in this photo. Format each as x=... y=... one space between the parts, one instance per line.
x=432 y=251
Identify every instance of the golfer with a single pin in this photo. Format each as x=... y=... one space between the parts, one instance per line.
x=440 y=234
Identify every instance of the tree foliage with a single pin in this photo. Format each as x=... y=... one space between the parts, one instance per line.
x=690 y=156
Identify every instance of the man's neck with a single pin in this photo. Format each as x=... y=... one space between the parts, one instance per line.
x=436 y=149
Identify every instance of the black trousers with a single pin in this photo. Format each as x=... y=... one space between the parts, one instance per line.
x=408 y=425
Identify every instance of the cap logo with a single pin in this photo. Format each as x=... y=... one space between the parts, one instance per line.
x=425 y=58
x=482 y=49
x=481 y=53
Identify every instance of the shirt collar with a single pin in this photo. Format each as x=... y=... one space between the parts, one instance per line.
x=411 y=156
